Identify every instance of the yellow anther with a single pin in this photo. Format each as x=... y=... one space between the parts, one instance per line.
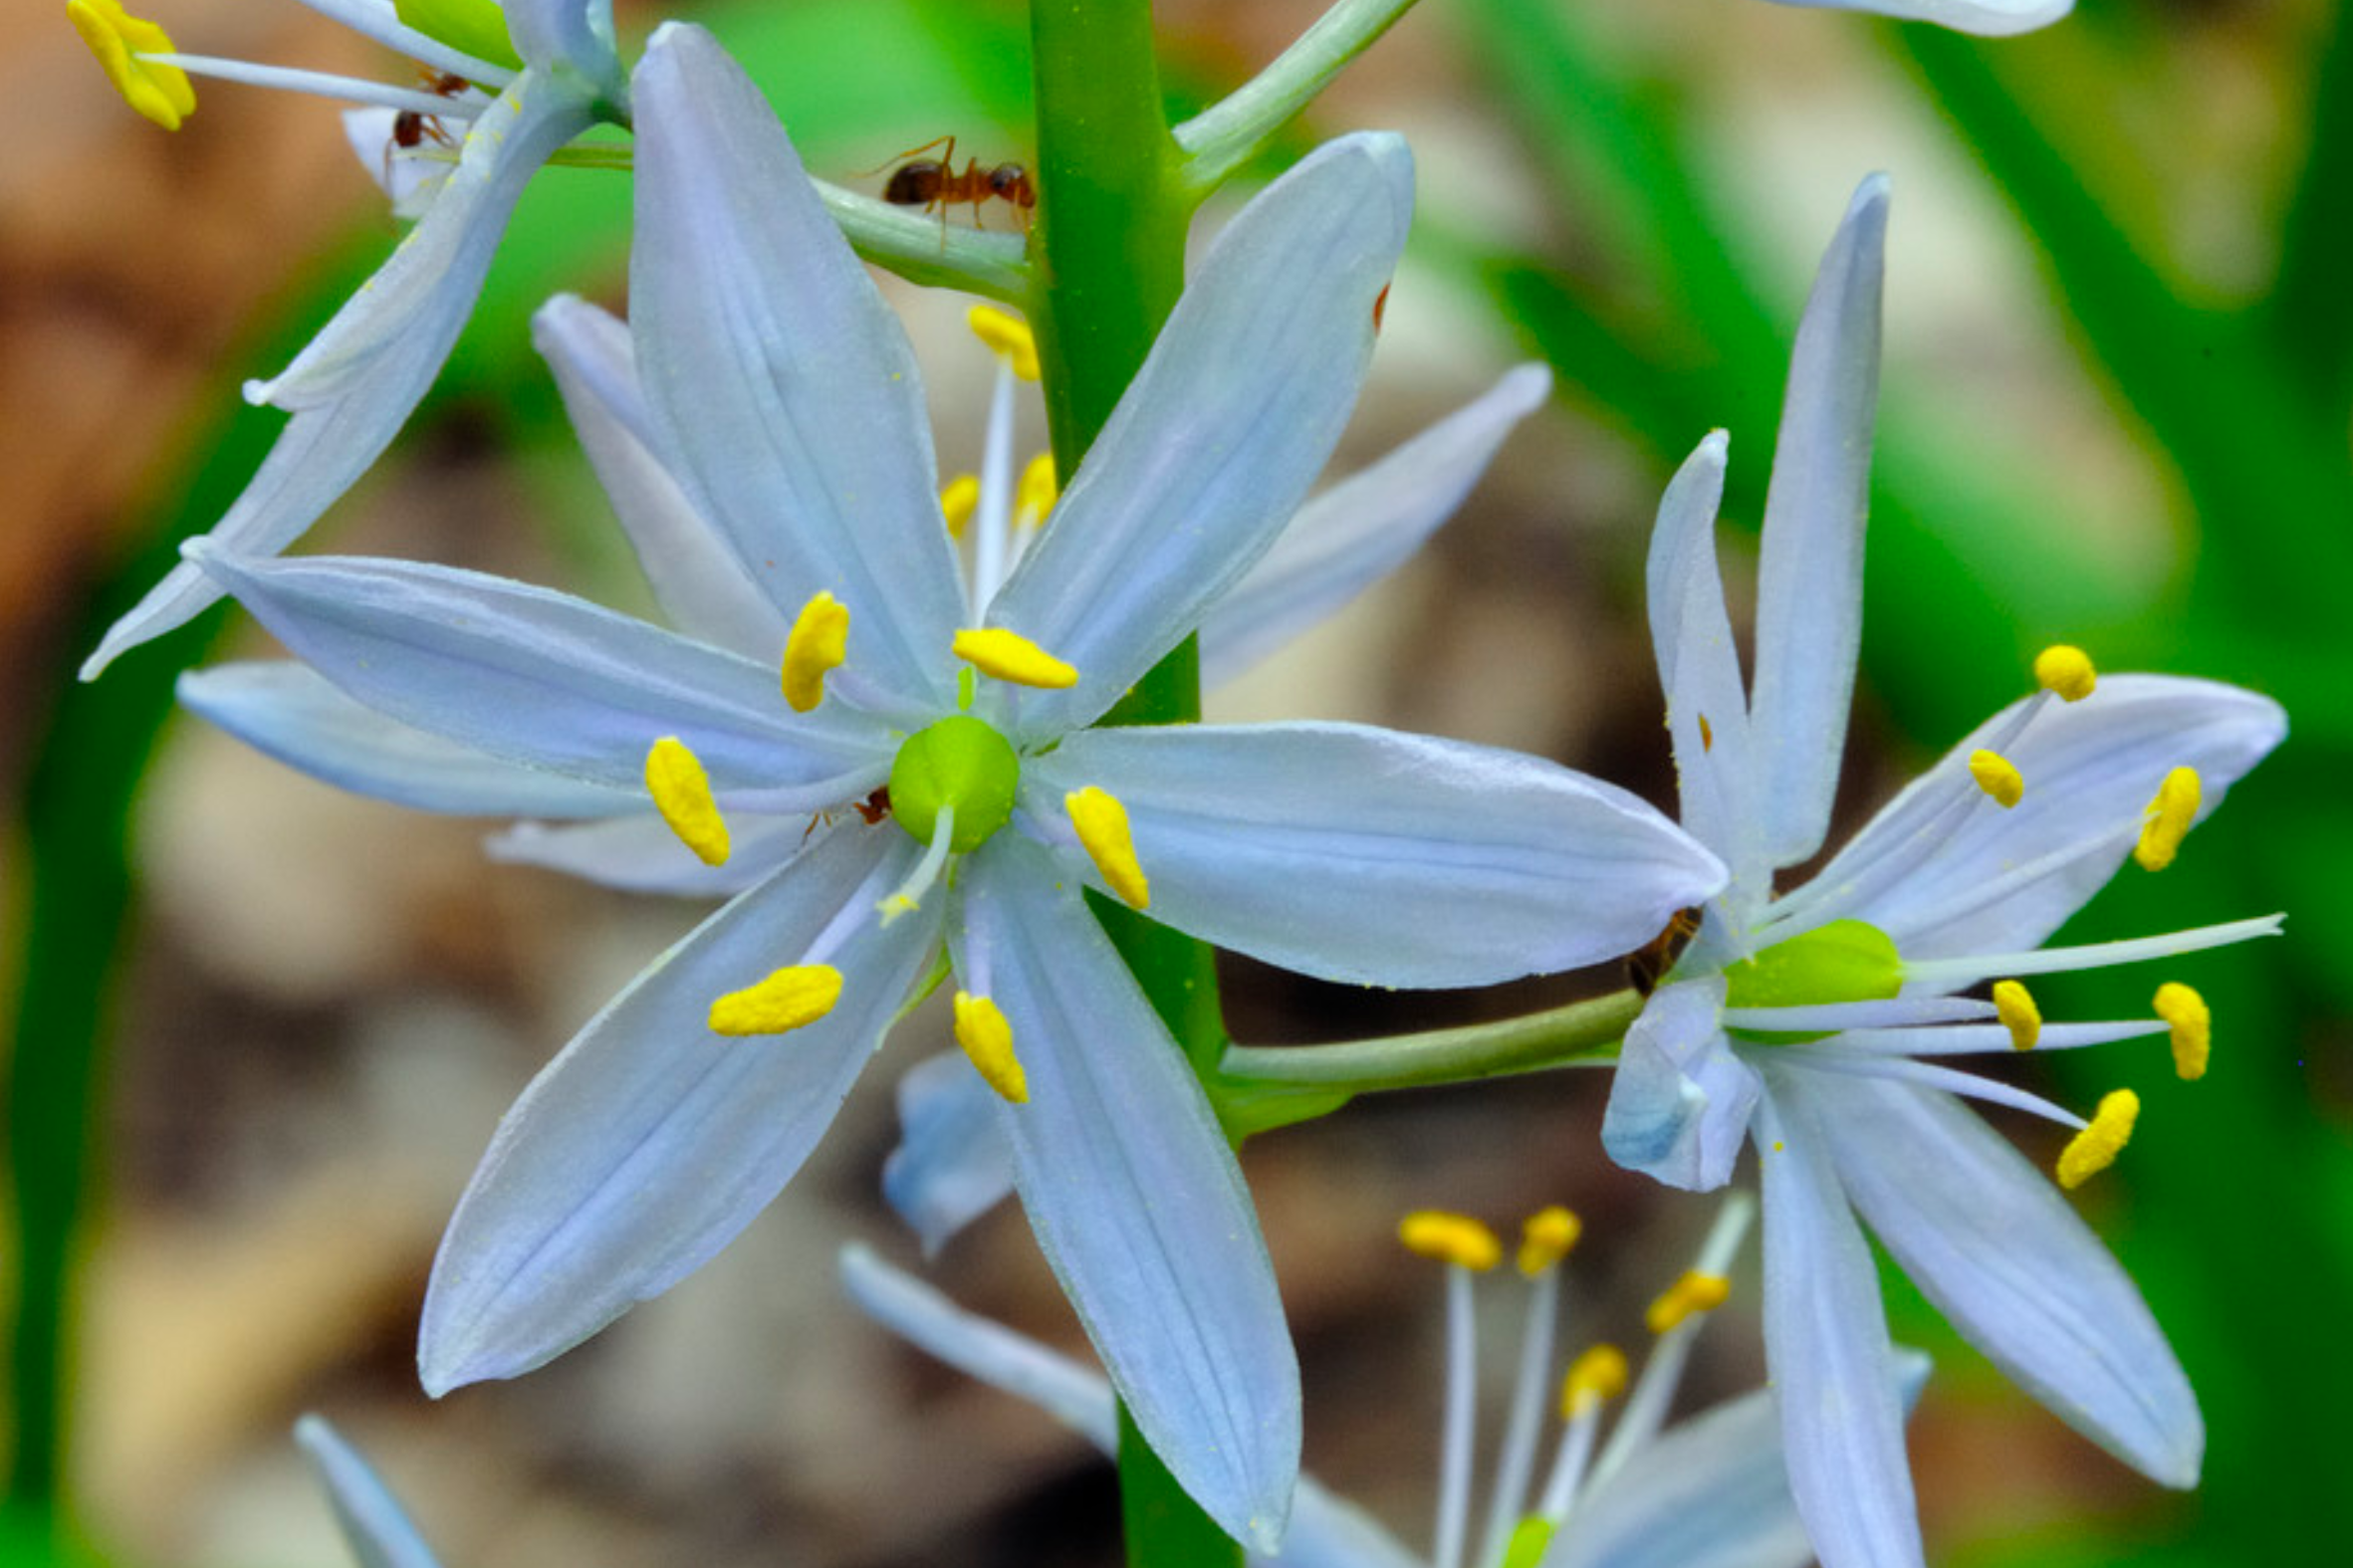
x=819 y=643
x=681 y=792
x=2015 y=1004
x=2193 y=1027
x=788 y=1000
x=987 y=1038
x=959 y=499
x=1596 y=1376
x=1007 y=336
x=1545 y=1238
x=2065 y=670
x=2169 y=818
x=161 y=92
x=1997 y=776
x=2094 y=1149
x=1037 y=489
x=1694 y=1292
x=1101 y=824
x=1010 y=656
x=1449 y=1238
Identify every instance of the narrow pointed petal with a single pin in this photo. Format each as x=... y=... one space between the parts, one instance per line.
x=1363 y=529
x=953 y=1163
x=374 y=1523
x=289 y=712
x=1373 y=856
x=1809 y=592
x=1222 y=431
x=778 y=379
x=355 y=384
x=1680 y=1103
x=696 y=577
x=640 y=853
x=1989 y=1240
x=545 y=680
x=1135 y=1196
x=650 y=1141
x=1834 y=1374
x=1988 y=18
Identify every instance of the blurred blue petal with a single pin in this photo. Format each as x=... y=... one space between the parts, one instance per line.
x=1991 y=18
x=953 y=1161
x=370 y=1517
x=639 y=854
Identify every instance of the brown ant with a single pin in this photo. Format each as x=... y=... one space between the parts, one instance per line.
x=933 y=182
x=1647 y=965
x=875 y=808
x=413 y=128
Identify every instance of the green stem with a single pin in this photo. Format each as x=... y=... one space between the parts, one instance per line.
x=1582 y=1032
x=1222 y=138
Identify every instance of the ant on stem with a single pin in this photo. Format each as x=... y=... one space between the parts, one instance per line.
x=934 y=182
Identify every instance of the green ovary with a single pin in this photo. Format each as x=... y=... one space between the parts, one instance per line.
x=958 y=763
x=1844 y=961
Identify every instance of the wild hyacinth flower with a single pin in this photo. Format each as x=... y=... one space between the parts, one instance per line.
x=1990 y=18
x=780 y=389
x=523 y=82
x=1809 y=1024
x=374 y=1523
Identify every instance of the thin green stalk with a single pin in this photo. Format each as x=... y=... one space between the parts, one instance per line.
x=1582 y=1032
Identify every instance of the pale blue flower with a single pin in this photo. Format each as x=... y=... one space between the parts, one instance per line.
x=355 y=384
x=374 y=1524
x=1991 y=18
x=1804 y=1022
x=783 y=398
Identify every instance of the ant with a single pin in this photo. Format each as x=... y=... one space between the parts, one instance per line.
x=875 y=808
x=413 y=128
x=1647 y=965
x=934 y=182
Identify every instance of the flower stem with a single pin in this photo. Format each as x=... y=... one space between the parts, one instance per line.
x=1582 y=1032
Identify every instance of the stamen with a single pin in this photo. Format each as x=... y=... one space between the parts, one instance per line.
x=982 y=1030
x=1997 y=776
x=1459 y=1413
x=1693 y=1293
x=2193 y=1027
x=958 y=498
x=1010 y=656
x=1008 y=336
x=1036 y=490
x=788 y=1000
x=1645 y=1412
x=1546 y=1237
x=161 y=92
x=2094 y=1149
x=2065 y=670
x=681 y=792
x=2015 y=1007
x=2169 y=819
x=1102 y=824
x=1451 y=1239
x=1594 y=1378
x=1968 y=968
x=820 y=641
x=909 y=896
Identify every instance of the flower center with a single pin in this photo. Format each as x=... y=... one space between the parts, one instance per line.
x=1844 y=961
x=957 y=765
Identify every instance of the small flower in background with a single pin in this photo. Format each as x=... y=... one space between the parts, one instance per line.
x=1990 y=18
x=371 y=1518
x=520 y=83
x=1807 y=1022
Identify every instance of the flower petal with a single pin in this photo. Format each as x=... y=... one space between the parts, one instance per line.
x=1222 y=431
x=1363 y=529
x=1989 y=1240
x=1990 y=18
x=776 y=376
x=1680 y=1104
x=374 y=1523
x=641 y=854
x=1370 y=855
x=650 y=1141
x=574 y=36
x=1809 y=592
x=1712 y=1492
x=1135 y=1196
x=953 y=1163
x=1826 y=1349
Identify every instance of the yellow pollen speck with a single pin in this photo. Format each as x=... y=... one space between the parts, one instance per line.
x=2015 y=1007
x=1449 y=1238
x=1594 y=1377
x=2193 y=1027
x=1010 y=656
x=681 y=792
x=819 y=643
x=959 y=499
x=1037 y=489
x=1694 y=1292
x=1706 y=734
x=1546 y=1237
x=2169 y=819
x=2094 y=1149
x=2065 y=670
x=1101 y=824
x=788 y=1000
x=981 y=1028
x=1997 y=776
x=1007 y=336
x=162 y=94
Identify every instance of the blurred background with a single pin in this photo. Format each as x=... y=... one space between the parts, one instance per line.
x=261 y=1030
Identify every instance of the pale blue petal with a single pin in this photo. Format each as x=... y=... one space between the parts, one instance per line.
x=1363 y=529
x=1680 y=1103
x=1833 y=1372
x=1809 y=591
x=289 y=712
x=953 y=1161
x=353 y=388
x=572 y=37
x=1990 y=18
x=639 y=854
x=550 y=681
x=1374 y=856
x=1709 y=1492
x=1135 y=1196
x=695 y=577
x=1992 y=1242
x=650 y=1141
x=1329 y=1532
x=778 y=379
x=374 y=1523
x=1222 y=431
